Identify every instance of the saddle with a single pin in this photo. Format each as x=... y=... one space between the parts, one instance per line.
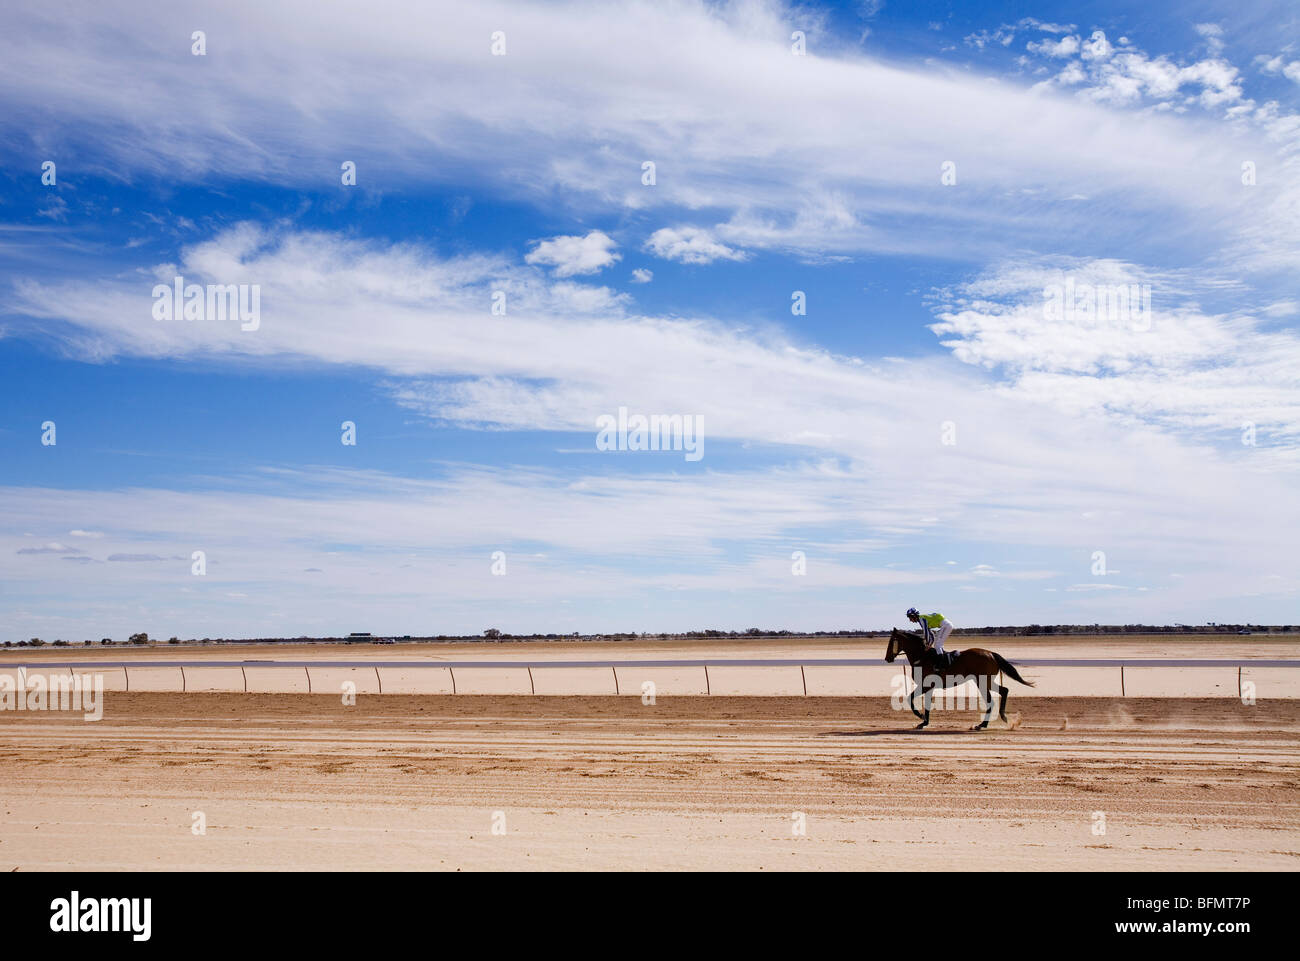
x=940 y=662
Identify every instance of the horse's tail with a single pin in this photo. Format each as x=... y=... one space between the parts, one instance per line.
x=1009 y=669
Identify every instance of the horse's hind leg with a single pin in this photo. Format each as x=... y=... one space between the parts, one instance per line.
x=984 y=695
x=1002 y=708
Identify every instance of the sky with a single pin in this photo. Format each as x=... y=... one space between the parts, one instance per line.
x=987 y=309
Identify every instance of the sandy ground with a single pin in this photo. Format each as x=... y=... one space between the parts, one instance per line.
x=416 y=782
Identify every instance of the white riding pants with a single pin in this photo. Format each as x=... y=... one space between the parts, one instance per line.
x=940 y=634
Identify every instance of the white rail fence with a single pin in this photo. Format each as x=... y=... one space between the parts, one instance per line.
x=812 y=677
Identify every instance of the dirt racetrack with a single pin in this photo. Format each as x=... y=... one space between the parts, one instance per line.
x=418 y=782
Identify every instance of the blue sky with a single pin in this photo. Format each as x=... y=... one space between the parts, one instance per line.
x=924 y=434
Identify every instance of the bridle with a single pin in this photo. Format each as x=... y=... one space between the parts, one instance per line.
x=896 y=647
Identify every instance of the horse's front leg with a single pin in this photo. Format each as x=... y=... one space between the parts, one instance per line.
x=911 y=702
x=925 y=700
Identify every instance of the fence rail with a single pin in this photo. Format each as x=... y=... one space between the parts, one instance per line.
x=819 y=676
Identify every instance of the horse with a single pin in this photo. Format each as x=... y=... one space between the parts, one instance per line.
x=974 y=663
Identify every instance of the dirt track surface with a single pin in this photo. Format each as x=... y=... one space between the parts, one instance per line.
x=305 y=782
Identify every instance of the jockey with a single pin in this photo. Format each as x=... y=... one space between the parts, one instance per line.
x=936 y=629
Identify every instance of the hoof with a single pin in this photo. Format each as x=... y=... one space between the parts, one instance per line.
x=921 y=725
x=980 y=727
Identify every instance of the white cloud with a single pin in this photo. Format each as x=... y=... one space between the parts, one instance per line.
x=1278 y=65
x=1046 y=27
x=1127 y=77
x=642 y=276
x=575 y=255
x=1072 y=427
x=1178 y=365
x=690 y=245
x=1006 y=33
x=557 y=123
x=1213 y=34
x=54 y=547
x=56 y=208
x=1065 y=47
x=1002 y=36
x=583 y=299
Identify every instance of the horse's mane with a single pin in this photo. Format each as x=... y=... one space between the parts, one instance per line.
x=909 y=634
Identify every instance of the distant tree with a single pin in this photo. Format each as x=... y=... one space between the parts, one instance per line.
x=36 y=642
x=174 y=640
x=107 y=640
x=753 y=630
x=141 y=638
x=492 y=633
x=60 y=643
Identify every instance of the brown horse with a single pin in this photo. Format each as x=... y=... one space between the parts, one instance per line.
x=973 y=664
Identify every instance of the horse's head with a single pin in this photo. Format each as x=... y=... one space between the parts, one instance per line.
x=902 y=642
